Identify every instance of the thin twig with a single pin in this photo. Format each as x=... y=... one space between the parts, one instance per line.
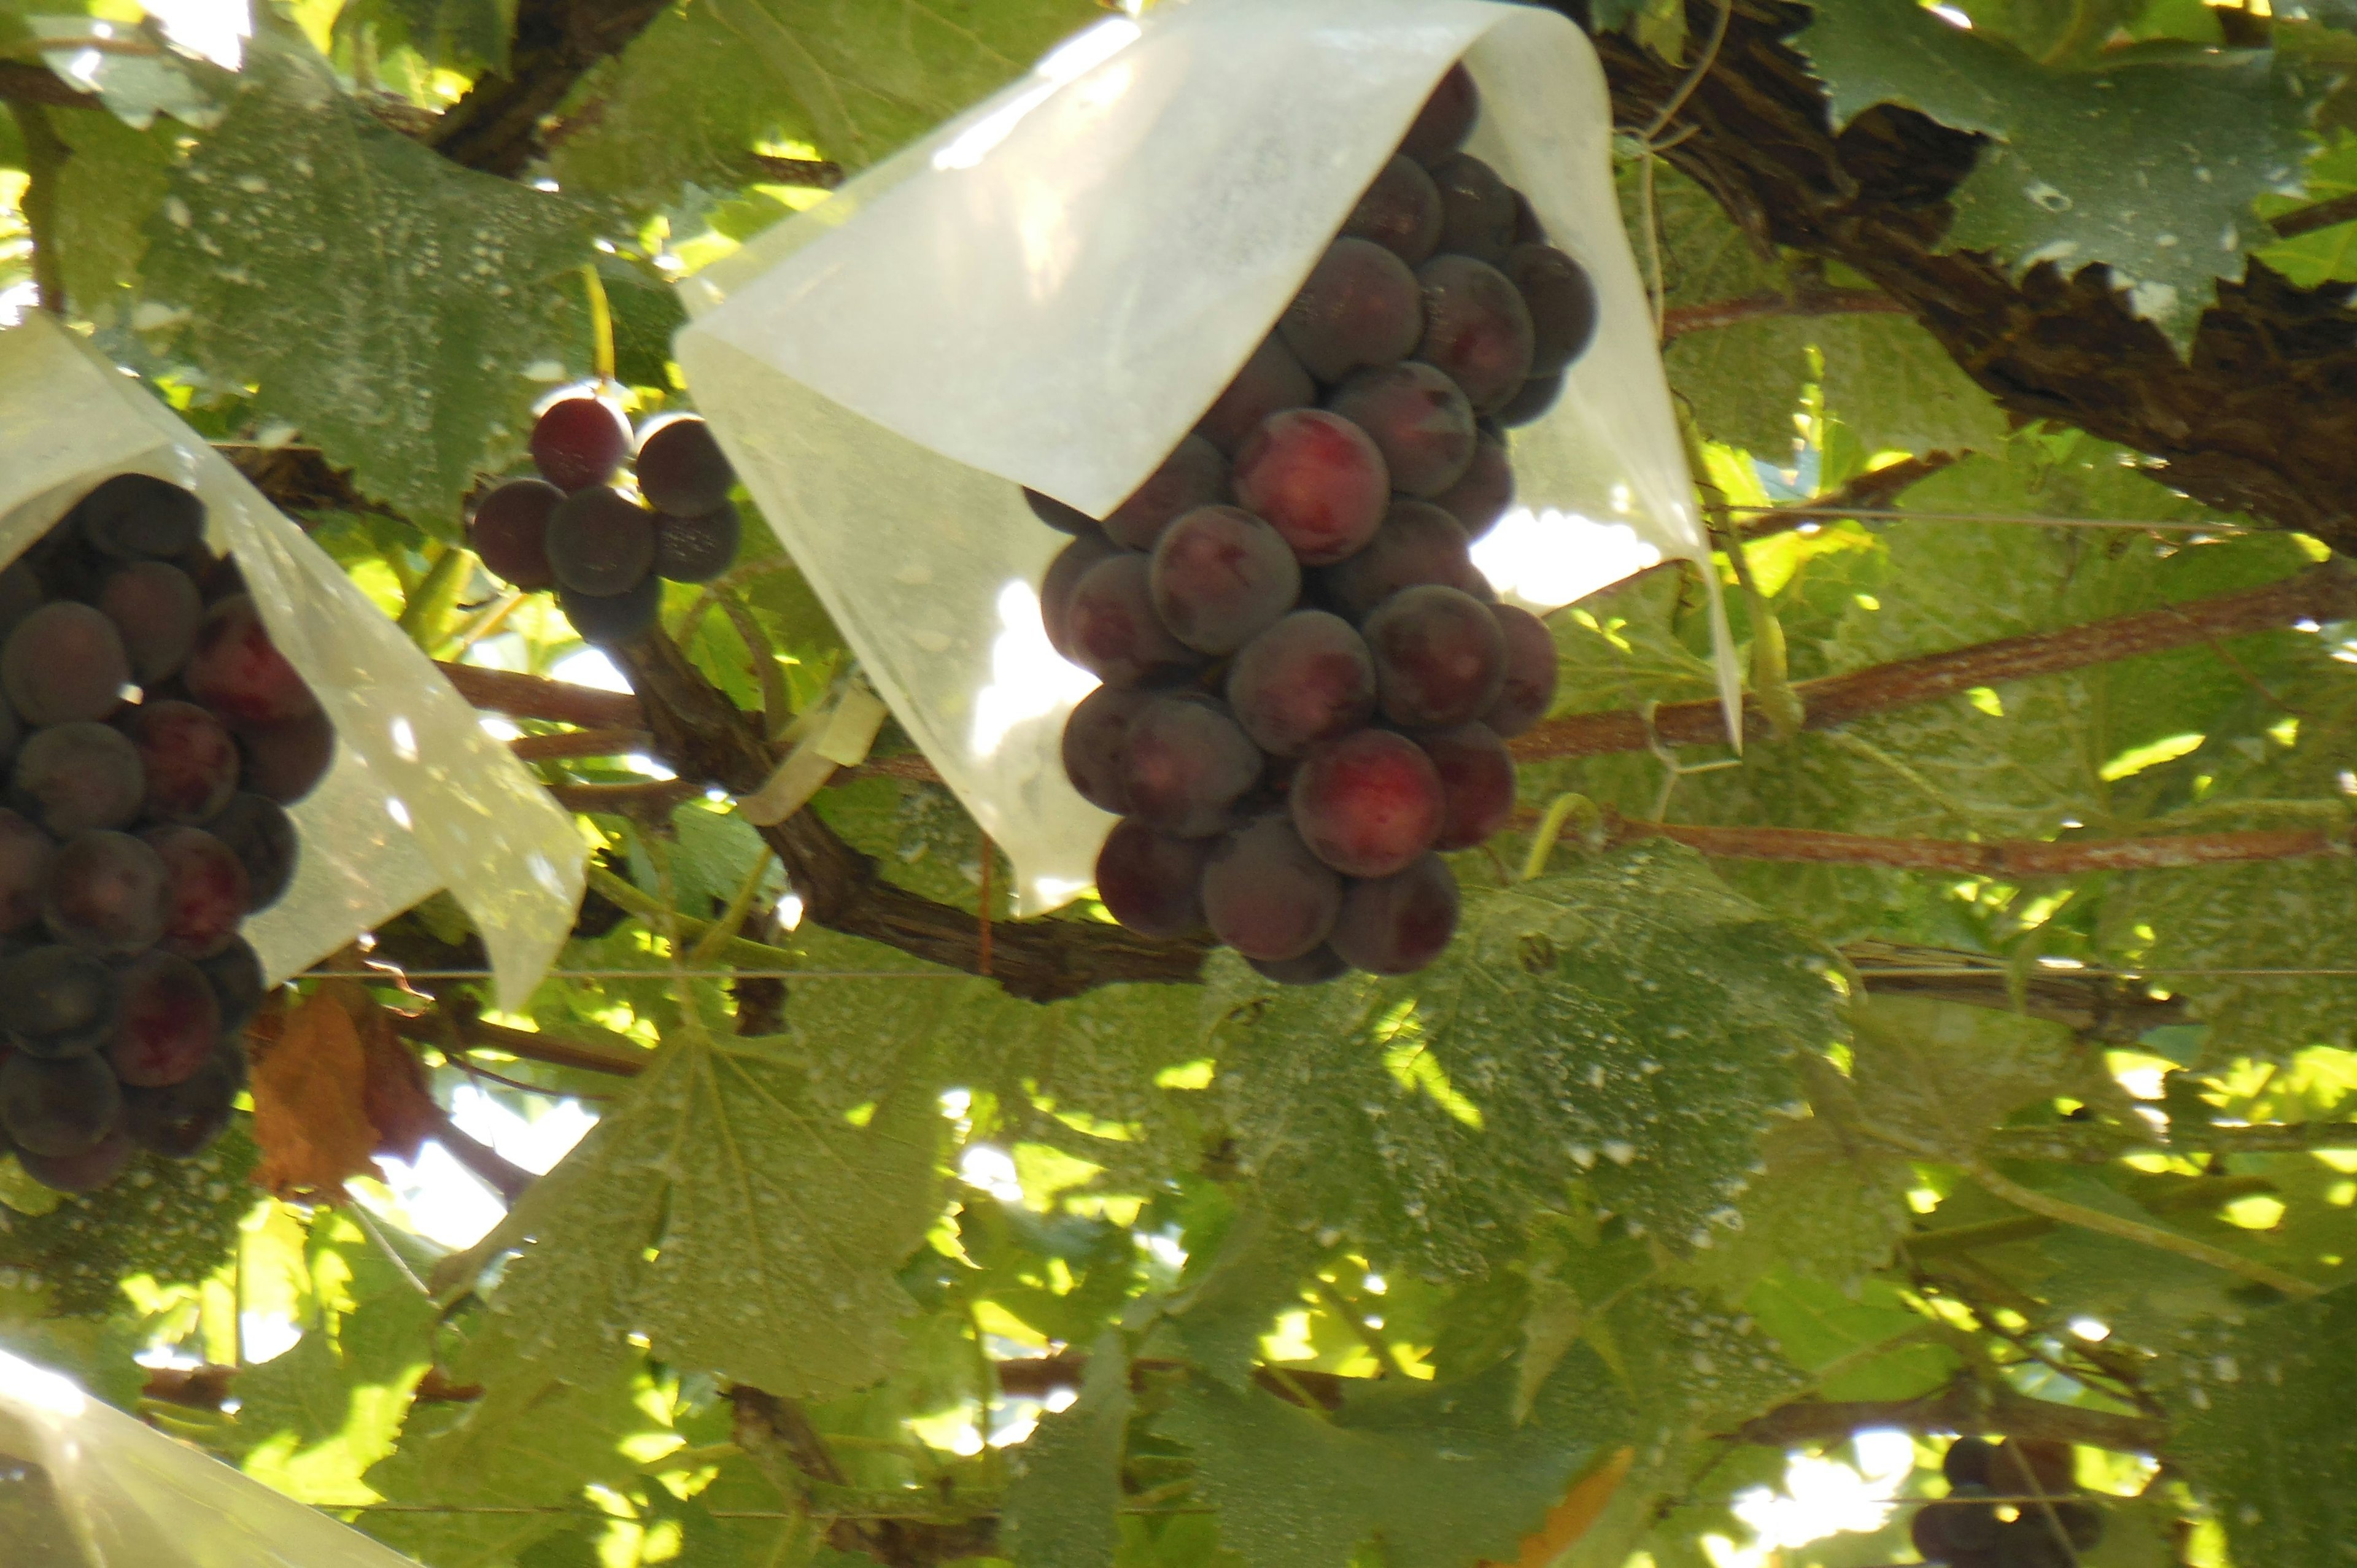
x=1693 y=79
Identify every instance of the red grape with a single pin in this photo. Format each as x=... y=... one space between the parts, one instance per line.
x=186 y=759
x=1318 y=480
x=24 y=852
x=155 y=610
x=1267 y=895
x=1114 y=630
x=170 y=1023
x=612 y=619
x=285 y=762
x=1307 y=679
x=1094 y=737
x=1440 y=656
x=1479 y=499
x=1528 y=229
x=680 y=468
x=1417 y=418
x=1271 y=381
x=58 y=1108
x=1397 y=924
x=1400 y=211
x=1562 y=301
x=105 y=892
x=88 y=1171
x=1184 y=764
x=1057 y=515
x=1532 y=399
x=235 y=975
x=57 y=1002
x=21 y=592
x=1447 y=117
x=1152 y=881
x=64 y=663
x=600 y=542
x=77 y=775
x=259 y=834
x=1476 y=328
x=1063 y=575
x=1477 y=209
x=1358 y=306
x=134 y=516
x=1368 y=804
x=1417 y=543
x=1477 y=783
x=206 y=890
x=237 y=673
x=697 y=549
x=578 y=442
x=182 y=1121
x=1194 y=475
x=1220 y=576
x=1318 y=965
x=510 y=532
x=1528 y=689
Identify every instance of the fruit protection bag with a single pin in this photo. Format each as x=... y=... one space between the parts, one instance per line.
x=84 y=1486
x=419 y=796
x=1050 y=289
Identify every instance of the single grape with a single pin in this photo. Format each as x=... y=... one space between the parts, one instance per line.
x=1397 y=924
x=510 y=531
x=697 y=549
x=181 y=1121
x=1368 y=804
x=24 y=852
x=1476 y=328
x=1966 y=1462
x=206 y=890
x=1112 y=629
x=170 y=1024
x=155 y=610
x=235 y=975
x=1194 y=475
x=1152 y=881
x=578 y=442
x=1440 y=656
x=58 y=1108
x=239 y=673
x=1400 y=211
x=1562 y=301
x=1479 y=499
x=1307 y=679
x=1958 y=1526
x=21 y=592
x=1477 y=209
x=72 y=777
x=610 y=620
x=680 y=468
x=1477 y=783
x=1094 y=734
x=1528 y=689
x=105 y=892
x=1318 y=480
x=1318 y=965
x=263 y=838
x=285 y=762
x=1057 y=515
x=1528 y=229
x=1358 y=306
x=1417 y=418
x=1530 y=401
x=1184 y=765
x=186 y=759
x=1445 y=119
x=1220 y=576
x=1063 y=575
x=136 y=516
x=89 y=1171
x=64 y=663
x=1417 y=543
x=2030 y=1464
x=58 y=1001
x=1267 y=895
x=1271 y=381
x=600 y=542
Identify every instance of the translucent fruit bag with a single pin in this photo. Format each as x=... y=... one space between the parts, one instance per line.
x=1050 y=289
x=419 y=796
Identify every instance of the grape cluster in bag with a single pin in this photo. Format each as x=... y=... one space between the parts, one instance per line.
x=606 y=549
x=2042 y=1526
x=1307 y=684
x=152 y=736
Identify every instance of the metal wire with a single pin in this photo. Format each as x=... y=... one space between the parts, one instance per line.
x=1870 y=970
x=1885 y=514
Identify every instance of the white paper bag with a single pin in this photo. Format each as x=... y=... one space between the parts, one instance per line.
x=1050 y=289
x=419 y=798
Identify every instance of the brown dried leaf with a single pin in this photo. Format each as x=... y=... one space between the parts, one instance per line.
x=393 y=1092
x=309 y=1112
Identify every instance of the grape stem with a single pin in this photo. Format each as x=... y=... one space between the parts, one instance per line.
x=601 y=326
x=45 y=160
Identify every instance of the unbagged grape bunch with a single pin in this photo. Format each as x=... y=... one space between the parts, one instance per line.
x=1307 y=685
x=152 y=737
x=2010 y=1504
x=605 y=545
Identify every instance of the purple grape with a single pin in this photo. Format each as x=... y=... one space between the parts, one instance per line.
x=137 y=516
x=1562 y=301
x=181 y=1121
x=600 y=542
x=1267 y=895
x=1479 y=499
x=510 y=531
x=1530 y=401
x=105 y=892
x=698 y=548
x=1152 y=881
x=1400 y=211
x=284 y=762
x=1477 y=209
x=1476 y=328
x=1184 y=765
x=1271 y=381
x=21 y=592
x=1528 y=229
x=1359 y=306
x=1316 y=967
x=1318 y=480
x=239 y=673
x=1112 y=629
x=1057 y=515
x=59 y=1108
x=1194 y=475
x=1417 y=418
x=1220 y=576
x=58 y=1001
x=264 y=840
x=88 y=1171
x=77 y=775
x=609 y=621
x=1477 y=783
x=235 y=975
x=579 y=442
x=1528 y=689
x=1307 y=679
x=155 y=610
x=1398 y=924
x=1417 y=543
x=24 y=852
x=1064 y=572
x=186 y=759
x=1445 y=119
x=1367 y=804
x=1094 y=734
x=206 y=890
x=170 y=1023
x=1440 y=656
x=681 y=469
x=64 y=663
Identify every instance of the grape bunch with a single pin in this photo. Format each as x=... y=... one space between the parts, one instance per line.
x=1307 y=685
x=1970 y=1529
x=151 y=736
x=606 y=544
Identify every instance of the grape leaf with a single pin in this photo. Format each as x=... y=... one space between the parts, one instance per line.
x=116 y=178
x=1063 y=1505
x=2151 y=167
x=1829 y=1205
x=1941 y=1074
x=1897 y=388
x=381 y=299
x=1854 y=1348
x=173 y=1220
x=1230 y=1294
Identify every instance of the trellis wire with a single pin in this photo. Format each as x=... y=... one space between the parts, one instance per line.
x=2100 y=1499
x=1924 y=973
x=2036 y=519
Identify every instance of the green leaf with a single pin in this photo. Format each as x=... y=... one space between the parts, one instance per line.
x=1897 y=389
x=173 y=1220
x=116 y=178
x=1063 y=1505
x=1230 y=1299
x=1829 y=1203
x=2151 y=169
x=1941 y=1074
x=1831 y=1335
x=381 y=300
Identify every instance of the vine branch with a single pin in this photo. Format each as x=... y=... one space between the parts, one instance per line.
x=1680 y=320
x=2010 y=860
